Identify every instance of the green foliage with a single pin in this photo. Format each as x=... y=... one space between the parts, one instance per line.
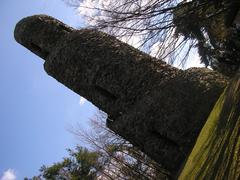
x=81 y=165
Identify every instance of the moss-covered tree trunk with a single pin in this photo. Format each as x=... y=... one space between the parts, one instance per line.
x=216 y=154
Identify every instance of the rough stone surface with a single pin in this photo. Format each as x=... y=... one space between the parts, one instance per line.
x=156 y=107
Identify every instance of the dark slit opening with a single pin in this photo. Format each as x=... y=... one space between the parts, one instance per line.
x=106 y=93
x=39 y=51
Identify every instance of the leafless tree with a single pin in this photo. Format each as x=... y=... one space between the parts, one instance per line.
x=120 y=159
x=167 y=29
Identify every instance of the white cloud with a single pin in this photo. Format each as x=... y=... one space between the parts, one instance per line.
x=194 y=60
x=82 y=101
x=134 y=40
x=86 y=8
x=9 y=175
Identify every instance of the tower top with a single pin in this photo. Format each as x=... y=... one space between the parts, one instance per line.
x=40 y=33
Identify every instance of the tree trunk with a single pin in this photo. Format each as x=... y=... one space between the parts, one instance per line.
x=155 y=106
x=216 y=154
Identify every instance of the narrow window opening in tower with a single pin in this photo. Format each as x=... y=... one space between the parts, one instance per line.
x=105 y=93
x=38 y=50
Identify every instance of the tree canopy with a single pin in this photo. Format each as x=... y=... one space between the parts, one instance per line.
x=81 y=164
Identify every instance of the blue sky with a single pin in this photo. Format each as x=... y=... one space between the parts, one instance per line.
x=35 y=110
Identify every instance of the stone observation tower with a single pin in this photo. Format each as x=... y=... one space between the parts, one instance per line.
x=158 y=108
